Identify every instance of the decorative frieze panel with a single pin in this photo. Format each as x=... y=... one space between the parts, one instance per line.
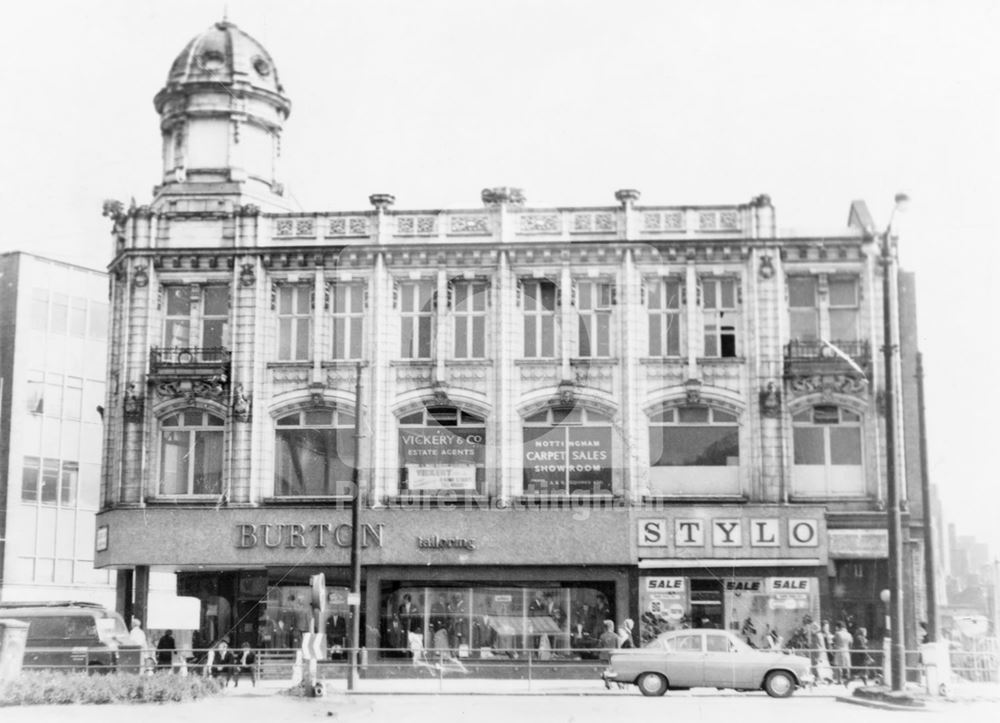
x=416 y=225
x=596 y=376
x=659 y=221
x=479 y=224
x=535 y=376
x=666 y=375
x=828 y=385
x=413 y=376
x=539 y=223
x=727 y=220
x=348 y=226
x=288 y=378
x=341 y=378
x=594 y=223
x=294 y=227
x=214 y=388
x=472 y=377
x=724 y=375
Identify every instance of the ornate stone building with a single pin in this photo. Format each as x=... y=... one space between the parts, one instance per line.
x=667 y=412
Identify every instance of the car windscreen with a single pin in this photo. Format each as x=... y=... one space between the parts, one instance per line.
x=110 y=626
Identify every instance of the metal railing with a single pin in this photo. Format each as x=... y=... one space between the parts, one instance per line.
x=174 y=356
x=816 y=350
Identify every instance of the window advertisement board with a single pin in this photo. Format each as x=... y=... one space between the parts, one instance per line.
x=567 y=459
x=440 y=458
x=663 y=602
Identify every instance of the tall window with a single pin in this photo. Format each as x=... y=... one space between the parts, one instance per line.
x=348 y=320
x=49 y=481
x=416 y=307
x=593 y=307
x=196 y=316
x=294 y=322
x=568 y=450
x=803 y=308
x=828 y=457
x=663 y=298
x=694 y=450
x=539 y=299
x=469 y=306
x=442 y=449
x=314 y=453
x=844 y=309
x=191 y=454
x=721 y=314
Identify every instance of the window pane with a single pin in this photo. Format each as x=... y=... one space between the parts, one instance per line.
x=845 y=445
x=728 y=294
x=216 y=301
x=173 y=473
x=604 y=334
x=356 y=338
x=808 y=443
x=178 y=300
x=302 y=338
x=307 y=462
x=708 y=446
x=585 y=342
x=655 y=322
x=318 y=418
x=548 y=336
x=424 y=348
x=802 y=291
x=844 y=324
x=548 y=295
x=708 y=295
x=177 y=332
x=460 y=338
x=825 y=414
x=68 y=486
x=29 y=479
x=291 y=419
x=843 y=292
x=804 y=324
x=718 y=416
x=479 y=337
x=688 y=415
x=98 y=320
x=50 y=480
x=215 y=333
x=208 y=463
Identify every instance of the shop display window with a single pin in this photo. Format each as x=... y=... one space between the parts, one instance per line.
x=288 y=613
x=491 y=622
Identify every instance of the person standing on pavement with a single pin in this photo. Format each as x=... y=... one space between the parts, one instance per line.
x=625 y=635
x=165 y=651
x=608 y=640
x=842 y=654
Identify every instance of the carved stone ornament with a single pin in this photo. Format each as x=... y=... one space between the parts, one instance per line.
x=213 y=388
x=627 y=195
x=440 y=392
x=248 y=209
x=692 y=388
x=766 y=270
x=132 y=404
x=247 y=275
x=316 y=394
x=565 y=393
x=829 y=384
x=115 y=210
x=503 y=194
x=141 y=277
x=381 y=201
x=242 y=403
x=770 y=401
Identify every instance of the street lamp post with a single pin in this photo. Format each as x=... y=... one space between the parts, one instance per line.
x=896 y=645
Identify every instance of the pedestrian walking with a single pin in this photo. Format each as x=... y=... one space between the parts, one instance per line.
x=842 y=654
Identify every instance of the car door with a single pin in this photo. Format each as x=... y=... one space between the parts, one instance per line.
x=686 y=661
x=720 y=660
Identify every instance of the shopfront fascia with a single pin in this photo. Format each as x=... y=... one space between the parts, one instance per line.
x=754 y=570
x=486 y=583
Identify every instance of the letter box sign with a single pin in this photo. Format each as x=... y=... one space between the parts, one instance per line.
x=722 y=536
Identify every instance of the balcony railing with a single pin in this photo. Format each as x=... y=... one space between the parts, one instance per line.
x=188 y=357
x=819 y=351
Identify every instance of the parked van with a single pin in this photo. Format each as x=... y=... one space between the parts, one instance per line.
x=69 y=635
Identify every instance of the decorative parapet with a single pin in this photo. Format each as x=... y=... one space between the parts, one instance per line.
x=539 y=223
x=478 y=224
x=596 y=222
x=423 y=225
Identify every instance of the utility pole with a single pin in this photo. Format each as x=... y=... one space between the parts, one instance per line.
x=930 y=570
x=897 y=653
x=354 y=598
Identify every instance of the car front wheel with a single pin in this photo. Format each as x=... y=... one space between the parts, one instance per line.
x=652 y=684
x=779 y=684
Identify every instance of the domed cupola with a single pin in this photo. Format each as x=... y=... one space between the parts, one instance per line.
x=222 y=111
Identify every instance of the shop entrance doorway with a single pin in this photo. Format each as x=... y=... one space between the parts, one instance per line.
x=706 y=604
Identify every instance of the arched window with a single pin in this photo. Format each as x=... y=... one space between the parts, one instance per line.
x=568 y=450
x=442 y=449
x=314 y=453
x=828 y=456
x=694 y=450
x=191 y=444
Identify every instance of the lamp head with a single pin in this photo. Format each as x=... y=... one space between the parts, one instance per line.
x=902 y=201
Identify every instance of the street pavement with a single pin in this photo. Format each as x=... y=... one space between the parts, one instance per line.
x=498 y=701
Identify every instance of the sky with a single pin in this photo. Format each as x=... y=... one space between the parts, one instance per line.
x=814 y=103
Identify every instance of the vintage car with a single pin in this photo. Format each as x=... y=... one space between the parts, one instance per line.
x=68 y=635
x=682 y=659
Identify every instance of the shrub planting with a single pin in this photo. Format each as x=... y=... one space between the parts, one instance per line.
x=60 y=688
